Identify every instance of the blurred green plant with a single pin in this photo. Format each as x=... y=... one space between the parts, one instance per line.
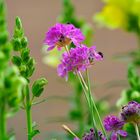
x=11 y=82
x=26 y=66
x=78 y=111
x=133 y=92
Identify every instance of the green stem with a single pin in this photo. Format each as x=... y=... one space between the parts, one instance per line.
x=119 y=137
x=3 y=134
x=79 y=105
x=28 y=115
x=94 y=105
x=84 y=86
x=137 y=131
x=82 y=79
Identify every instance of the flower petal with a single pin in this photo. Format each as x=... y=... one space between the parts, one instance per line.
x=50 y=48
x=114 y=136
x=122 y=133
x=61 y=70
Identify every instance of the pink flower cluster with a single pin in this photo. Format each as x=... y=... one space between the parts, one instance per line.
x=76 y=59
x=61 y=35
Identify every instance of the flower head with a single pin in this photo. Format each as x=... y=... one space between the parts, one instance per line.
x=131 y=112
x=61 y=35
x=114 y=124
x=78 y=59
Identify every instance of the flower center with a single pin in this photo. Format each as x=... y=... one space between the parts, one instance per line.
x=63 y=41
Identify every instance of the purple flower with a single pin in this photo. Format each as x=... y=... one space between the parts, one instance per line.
x=78 y=59
x=131 y=112
x=91 y=135
x=61 y=35
x=114 y=124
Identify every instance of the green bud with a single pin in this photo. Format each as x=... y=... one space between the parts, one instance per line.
x=30 y=71
x=31 y=66
x=16 y=44
x=24 y=42
x=38 y=86
x=18 y=23
x=31 y=63
x=23 y=68
x=16 y=60
x=18 y=33
x=25 y=54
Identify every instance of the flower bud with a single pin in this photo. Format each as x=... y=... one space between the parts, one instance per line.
x=18 y=23
x=131 y=112
x=16 y=60
x=16 y=44
x=25 y=54
x=24 y=42
x=38 y=86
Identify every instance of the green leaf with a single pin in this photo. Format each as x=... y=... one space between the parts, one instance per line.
x=34 y=132
x=38 y=86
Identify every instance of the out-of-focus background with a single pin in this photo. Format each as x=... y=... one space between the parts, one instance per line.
x=37 y=16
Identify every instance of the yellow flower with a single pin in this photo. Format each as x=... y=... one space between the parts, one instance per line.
x=136 y=7
x=111 y=17
x=120 y=14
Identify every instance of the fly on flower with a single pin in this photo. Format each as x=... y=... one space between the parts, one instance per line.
x=78 y=59
x=62 y=35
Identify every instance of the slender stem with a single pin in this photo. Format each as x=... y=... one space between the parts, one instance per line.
x=88 y=101
x=119 y=137
x=83 y=80
x=137 y=131
x=91 y=103
x=69 y=130
x=3 y=134
x=83 y=87
x=94 y=105
x=28 y=115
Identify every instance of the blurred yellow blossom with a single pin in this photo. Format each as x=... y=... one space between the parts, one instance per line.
x=123 y=14
x=111 y=17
